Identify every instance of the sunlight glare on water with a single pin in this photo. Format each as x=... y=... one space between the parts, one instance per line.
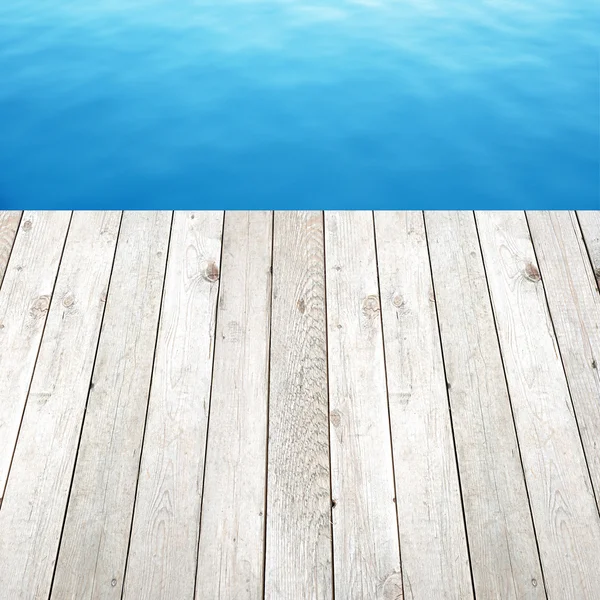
x=271 y=104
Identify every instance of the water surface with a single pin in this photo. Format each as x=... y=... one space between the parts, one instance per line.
x=271 y=104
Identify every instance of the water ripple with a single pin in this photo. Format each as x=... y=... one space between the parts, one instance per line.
x=358 y=103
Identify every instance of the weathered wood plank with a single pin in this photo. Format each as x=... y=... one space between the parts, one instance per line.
x=424 y=457
x=590 y=227
x=36 y=495
x=230 y=555
x=164 y=538
x=575 y=308
x=299 y=558
x=562 y=500
x=504 y=556
x=24 y=300
x=9 y=223
x=93 y=549
x=365 y=534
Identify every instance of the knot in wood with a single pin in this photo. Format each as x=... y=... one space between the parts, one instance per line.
x=398 y=301
x=68 y=300
x=301 y=305
x=370 y=305
x=392 y=587
x=335 y=417
x=40 y=306
x=532 y=273
x=211 y=272
x=27 y=225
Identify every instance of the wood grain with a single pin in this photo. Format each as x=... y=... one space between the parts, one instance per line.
x=298 y=548
x=164 y=537
x=36 y=495
x=96 y=531
x=334 y=395
x=590 y=227
x=575 y=309
x=9 y=223
x=24 y=301
x=504 y=556
x=424 y=458
x=230 y=555
x=563 y=504
x=365 y=534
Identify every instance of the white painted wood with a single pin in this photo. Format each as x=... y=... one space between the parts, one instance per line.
x=230 y=555
x=298 y=561
x=424 y=458
x=365 y=534
x=164 y=538
x=563 y=504
x=575 y=308
x=24 y=300
x=502 y=544
x=36 y=495
x=94 y=544
x=9 y=223
x=299 y=558
x=590 y=226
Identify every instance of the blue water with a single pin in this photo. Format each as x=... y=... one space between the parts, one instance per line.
x=290 y=104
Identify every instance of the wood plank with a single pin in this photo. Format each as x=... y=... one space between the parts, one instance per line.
x=365 y=533
x=563 y=504
x=298 y=561
x=24 y=300
x=9 y=223
x=94 y=544
x=230 y=555
x=504 y=556
x=424 y=458
x=164 y=538
x=36 y=495
x=590 y=226
x=575 y=308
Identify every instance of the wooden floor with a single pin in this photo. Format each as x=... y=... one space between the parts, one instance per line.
x=299 y=405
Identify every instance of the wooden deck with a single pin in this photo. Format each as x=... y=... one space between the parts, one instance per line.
x=299 y=405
